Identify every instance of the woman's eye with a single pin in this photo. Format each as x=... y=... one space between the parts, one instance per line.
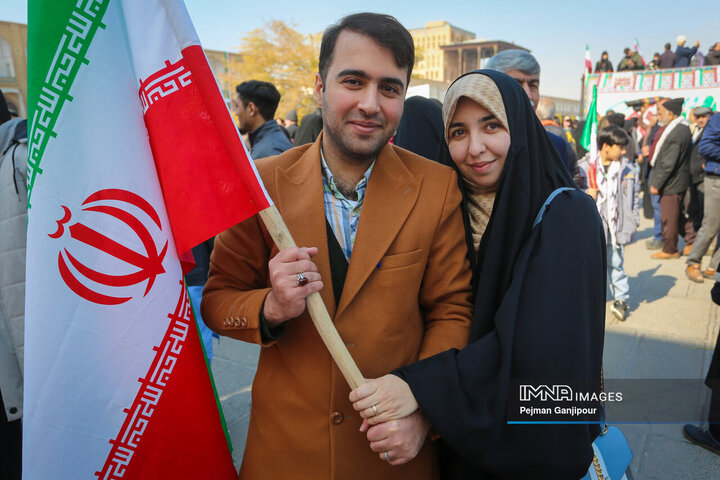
x=458 y=132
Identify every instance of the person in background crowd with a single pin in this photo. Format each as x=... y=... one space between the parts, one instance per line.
x=667 y=59
x=650 y=126
x=254 y=104
x=525 y=69
x=618 y=202
x=524 y=327
x=683 y=54
x=13 y=220
x=195 y=280
x=655 y=243
x=384 y=246
x=655 y=62
x=709 y=438
x=670 y=176
x=604 y=64
x=713 y=55
x=631 y=61
x=421 y=128
x=310 y=127
x=567 y=123
x=709 y=149
x=290 y=124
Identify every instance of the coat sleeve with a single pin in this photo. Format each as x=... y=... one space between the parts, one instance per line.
x=710 y=143
x=666 y=162
x=238 y=281
x=550 y=325
x=445 y=294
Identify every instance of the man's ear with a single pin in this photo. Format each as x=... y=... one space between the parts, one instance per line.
x=253 y=109
x=318 y=89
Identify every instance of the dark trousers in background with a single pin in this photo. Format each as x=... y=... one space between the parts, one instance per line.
x=671 y=220
x=10 y=446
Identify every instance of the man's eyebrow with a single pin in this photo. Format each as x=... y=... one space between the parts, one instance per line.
x=349 y=72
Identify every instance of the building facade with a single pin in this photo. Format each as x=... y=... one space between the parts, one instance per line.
x=13 y=65
x=430 y=62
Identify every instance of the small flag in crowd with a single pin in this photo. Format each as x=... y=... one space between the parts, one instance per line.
x=588 y=62
x=133 y=159
x=589 y=139
x=636 y=47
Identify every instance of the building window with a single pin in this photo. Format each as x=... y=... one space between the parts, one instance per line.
x=6 y=62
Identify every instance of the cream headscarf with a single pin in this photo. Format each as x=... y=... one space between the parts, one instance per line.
x=480 y=89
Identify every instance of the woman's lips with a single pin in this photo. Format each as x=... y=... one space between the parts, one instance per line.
x=481 y=167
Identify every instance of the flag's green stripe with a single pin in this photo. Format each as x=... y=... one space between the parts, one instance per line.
x=59 y=35
x=212 y=379
x=590 y=121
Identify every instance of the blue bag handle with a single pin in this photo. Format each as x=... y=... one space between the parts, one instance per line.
x=549 y=199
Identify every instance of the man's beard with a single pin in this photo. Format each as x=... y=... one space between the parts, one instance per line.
x=345 y=147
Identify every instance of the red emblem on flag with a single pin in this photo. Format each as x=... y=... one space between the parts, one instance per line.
x=144 y=265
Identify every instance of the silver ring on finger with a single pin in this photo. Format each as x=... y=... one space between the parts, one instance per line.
x=301 y=280
x=375 y=410
x=388 y=457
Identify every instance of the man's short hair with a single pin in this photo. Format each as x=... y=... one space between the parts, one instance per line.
x=514 y=60
x=612 y=135
x=385 y=30
x=668 y=46
x=263 y=94
x=545 y=109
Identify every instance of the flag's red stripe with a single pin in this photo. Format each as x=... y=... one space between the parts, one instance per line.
x=203 y=77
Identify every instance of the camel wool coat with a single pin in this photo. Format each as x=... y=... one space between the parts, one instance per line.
x=406 y=297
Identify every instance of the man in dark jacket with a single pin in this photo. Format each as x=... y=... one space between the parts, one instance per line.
x=667 y=59
x=709 y=149
x=683 y=54
x=631 y=61
x=310 y=127
x=254 y=104
x=670 y=175
x=713 y=55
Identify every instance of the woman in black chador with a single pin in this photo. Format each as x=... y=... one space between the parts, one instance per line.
x=539 y=302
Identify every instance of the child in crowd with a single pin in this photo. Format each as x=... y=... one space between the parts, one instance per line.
x=615 y=187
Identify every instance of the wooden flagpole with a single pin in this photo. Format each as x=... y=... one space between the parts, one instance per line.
x=319 y=314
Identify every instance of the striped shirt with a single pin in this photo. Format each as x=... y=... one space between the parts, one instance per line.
x=343 y=214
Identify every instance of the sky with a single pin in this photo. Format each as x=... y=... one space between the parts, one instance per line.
x=555 y=32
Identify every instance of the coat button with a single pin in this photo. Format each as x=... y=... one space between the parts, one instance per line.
x=243 y=322
x=236 y=322
x=14 y=410
x=337 y=418
x=227 y=322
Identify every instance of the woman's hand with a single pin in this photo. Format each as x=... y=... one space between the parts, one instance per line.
x=382 y=399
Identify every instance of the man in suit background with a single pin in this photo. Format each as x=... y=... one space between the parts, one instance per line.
x=670 y=176
x=385 y=249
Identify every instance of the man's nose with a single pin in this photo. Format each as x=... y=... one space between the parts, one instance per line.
x=369 y=101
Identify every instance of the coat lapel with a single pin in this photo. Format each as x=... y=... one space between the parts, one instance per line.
x=390 y=196
x=300 y=201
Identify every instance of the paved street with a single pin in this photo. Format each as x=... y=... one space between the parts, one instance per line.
x=670 y=333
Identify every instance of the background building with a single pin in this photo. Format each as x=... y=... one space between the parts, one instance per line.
x=430 y=63
x=13 y=65
x=565 y=106
x=463 y=57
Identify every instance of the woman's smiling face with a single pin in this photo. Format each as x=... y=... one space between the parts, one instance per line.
x=478 y=144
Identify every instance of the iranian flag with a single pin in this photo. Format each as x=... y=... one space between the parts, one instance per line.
x=636 y=47
x=589 y=139
x=588 y=62
x=133 y=159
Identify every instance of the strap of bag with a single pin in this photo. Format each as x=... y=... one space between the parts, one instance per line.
x=549 y=199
